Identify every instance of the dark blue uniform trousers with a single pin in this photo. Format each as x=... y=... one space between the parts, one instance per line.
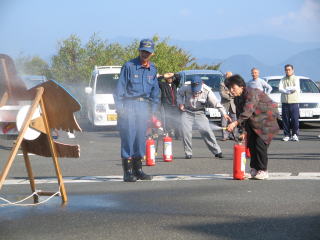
x=290 y=118
x=133 y=125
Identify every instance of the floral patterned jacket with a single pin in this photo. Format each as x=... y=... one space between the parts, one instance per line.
x=256 y=109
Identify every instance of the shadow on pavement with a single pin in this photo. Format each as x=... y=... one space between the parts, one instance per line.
x=295 y=156
x=299 y=227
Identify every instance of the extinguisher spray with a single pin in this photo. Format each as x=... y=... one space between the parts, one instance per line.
x=167 y=149
x=150 y=152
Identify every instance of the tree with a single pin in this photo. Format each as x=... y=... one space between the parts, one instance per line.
x=33 y=66
x=74 y=61
x=170 y=58
x=69 y=64
x=99 y=52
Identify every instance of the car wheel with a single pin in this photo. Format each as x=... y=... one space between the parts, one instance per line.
x=93 y=127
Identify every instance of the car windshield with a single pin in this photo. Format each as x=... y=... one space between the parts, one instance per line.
x=306 y=86
x=106 y=83
x=212 y=80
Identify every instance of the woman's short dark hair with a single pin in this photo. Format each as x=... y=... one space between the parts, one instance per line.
x=235 y=80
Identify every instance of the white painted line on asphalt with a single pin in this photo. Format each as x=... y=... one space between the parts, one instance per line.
x=313 y=174
x=161 y=178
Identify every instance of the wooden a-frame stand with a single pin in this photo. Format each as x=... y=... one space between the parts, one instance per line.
x=41 y=124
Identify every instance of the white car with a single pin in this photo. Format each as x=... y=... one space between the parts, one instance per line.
x=309 y=97
x=100 y=103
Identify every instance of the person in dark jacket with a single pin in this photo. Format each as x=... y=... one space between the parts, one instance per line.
x=171 y=113
x=258 y=114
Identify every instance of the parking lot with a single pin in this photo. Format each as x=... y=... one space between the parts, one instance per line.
x=188 y=198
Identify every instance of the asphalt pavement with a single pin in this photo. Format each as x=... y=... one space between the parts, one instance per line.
x=189 y=198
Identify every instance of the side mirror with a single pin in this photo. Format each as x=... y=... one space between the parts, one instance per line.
x=88 y=90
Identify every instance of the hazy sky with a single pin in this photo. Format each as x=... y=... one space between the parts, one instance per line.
x=35 y=26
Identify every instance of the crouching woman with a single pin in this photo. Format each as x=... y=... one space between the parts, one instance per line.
x=257 y=114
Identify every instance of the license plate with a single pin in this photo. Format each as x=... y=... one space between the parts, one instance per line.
x=306 y=113
x=214 y=114
x=112 y=117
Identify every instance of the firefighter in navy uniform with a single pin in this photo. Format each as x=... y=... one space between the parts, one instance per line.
x=136 y=97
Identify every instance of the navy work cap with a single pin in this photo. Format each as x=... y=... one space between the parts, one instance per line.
x=196 y=83
x=146 y=45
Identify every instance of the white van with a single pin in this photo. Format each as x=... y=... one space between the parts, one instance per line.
x=100 y=103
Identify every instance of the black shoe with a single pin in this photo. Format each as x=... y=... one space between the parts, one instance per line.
x=128 y=175
x=219 y=155
x=188 y=157
x=140 y=175
x=137 y=170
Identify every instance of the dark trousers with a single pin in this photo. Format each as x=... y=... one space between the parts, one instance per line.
x=258 y=149
x=290 y=118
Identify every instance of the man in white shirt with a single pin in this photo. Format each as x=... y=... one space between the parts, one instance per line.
x=289 y=86
x=258 y=83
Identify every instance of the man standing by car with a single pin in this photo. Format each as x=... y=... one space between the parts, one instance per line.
x=137 y=91
x=289 y=86
x=259 y=83
x=192 y=100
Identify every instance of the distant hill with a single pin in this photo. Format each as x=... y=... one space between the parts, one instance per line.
x=306 y=63
x=269 y=50
x=240 y=54
x=242 y=64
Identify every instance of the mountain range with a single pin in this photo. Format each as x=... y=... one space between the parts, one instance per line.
x=306 y=63
x=269 y=54
x=240 y=54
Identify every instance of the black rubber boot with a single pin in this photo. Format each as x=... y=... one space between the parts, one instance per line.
x=128 y=175
x=137 y=170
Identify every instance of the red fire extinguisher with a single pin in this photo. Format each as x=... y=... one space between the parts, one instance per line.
x=150 y=152
x=239 y=161
x=167 y=149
